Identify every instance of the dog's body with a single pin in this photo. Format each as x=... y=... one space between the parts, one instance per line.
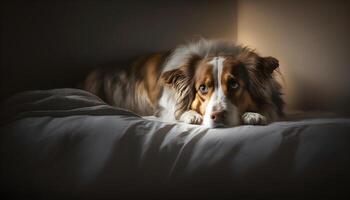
x=213 y=83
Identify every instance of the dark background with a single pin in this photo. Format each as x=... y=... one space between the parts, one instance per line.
x=52 y=44
x=48 y=44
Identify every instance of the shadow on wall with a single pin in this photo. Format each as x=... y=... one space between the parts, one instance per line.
x=47 y=45
x=311 y=40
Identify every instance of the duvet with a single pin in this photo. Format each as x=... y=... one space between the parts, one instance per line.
x=67 y=143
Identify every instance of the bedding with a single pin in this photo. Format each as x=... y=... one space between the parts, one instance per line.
x=67 y=143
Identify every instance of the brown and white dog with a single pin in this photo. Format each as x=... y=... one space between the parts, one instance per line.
x=213 y=83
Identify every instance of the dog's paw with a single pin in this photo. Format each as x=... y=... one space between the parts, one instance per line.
x=191 y=117
x=252 y=118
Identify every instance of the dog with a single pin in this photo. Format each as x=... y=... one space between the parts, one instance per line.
x=208 y=82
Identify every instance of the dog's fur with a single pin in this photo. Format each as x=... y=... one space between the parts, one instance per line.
x=214 y=83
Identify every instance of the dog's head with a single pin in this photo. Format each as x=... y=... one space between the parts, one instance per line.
x=222 y=87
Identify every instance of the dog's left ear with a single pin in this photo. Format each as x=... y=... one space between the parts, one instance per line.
x=269 y=64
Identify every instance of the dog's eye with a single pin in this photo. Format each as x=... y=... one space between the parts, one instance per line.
x=203 y=89
x=233 y=84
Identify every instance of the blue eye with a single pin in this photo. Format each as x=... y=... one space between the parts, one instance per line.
x=203 y=89
x=233 y=84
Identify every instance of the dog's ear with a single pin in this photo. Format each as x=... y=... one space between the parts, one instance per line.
x=183 y=86
x=181 y=79
x=269 y=64
x=181 y=76
x=173 y=77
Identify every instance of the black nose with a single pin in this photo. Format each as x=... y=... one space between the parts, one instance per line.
x=217 y=116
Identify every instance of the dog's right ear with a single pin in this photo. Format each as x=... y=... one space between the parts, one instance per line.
x=182 y=84
x=181 y=80
x=180 y=77
x=173 y=78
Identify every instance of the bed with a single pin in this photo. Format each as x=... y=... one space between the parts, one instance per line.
x=67 y=143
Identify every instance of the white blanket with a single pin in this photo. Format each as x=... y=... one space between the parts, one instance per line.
x=68 y=142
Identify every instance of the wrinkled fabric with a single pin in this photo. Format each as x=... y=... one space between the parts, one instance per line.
x=86 y=155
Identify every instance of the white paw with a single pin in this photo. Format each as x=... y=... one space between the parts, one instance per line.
x=252 y=118
x=191 y=117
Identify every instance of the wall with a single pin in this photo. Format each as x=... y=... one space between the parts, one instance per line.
x=47 y=45
x=53 y=44
x=311 y=40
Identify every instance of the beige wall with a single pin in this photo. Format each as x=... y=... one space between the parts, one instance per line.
x=312 y=41
x=47 y=45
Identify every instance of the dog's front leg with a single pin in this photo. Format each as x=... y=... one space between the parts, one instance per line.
x=191 y=117
x=252 y=118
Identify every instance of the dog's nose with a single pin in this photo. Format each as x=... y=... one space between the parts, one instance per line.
x=217 y=116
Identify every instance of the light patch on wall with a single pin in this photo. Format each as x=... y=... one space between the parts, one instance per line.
x=311 y=41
